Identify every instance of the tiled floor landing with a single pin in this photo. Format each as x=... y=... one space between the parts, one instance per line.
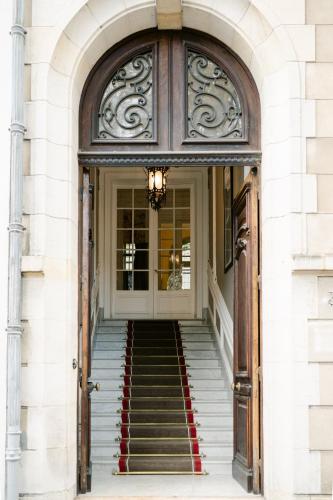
x=158 y=487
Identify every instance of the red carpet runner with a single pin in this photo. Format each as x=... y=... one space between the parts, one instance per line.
x=158 y=430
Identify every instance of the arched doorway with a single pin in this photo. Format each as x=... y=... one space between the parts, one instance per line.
x=181 y=100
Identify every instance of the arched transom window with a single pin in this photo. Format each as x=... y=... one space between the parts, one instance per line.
x=169 y=91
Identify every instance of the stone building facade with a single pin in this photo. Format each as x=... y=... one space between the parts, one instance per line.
x=287 y=47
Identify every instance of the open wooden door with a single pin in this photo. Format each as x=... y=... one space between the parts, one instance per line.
x=86 y=386
x=246 y=462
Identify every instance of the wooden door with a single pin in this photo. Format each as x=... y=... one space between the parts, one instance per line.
x=246 y=462
x=86 y=385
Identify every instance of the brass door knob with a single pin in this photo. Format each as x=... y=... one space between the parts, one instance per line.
x=236 y=386
x=92 y=386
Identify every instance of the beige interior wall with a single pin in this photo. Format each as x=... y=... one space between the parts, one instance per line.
x=225 y=280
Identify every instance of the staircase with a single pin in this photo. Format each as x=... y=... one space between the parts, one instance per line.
x=211 y=403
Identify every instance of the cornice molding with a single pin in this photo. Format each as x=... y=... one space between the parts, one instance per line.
x=207 y=159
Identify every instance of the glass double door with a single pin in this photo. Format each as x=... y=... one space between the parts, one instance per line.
x=153 y=255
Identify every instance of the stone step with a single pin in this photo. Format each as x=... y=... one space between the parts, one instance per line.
x=217 y=435
x=113 y=322
x=106 y=353
x=205 y=420
x=110 y=448
x=208 y=394
x=190 y=362
x=102 y=406
x=113 y=384
x=211 y=465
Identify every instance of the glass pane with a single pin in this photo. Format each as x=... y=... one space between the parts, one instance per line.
x=183 y=198
x=141 y=260
x=124 y=198
x=141 y=280
x=125 y=258
x=141 y=218
x=186 y=278
x=183 y=258
x=165 y=260
x=165 y=239
x=182 y=217
x=141 y=239
x=169 y=198
x=124 y=238
x=165 y=217
x=163 y=278
x=140 y=198
x=182 y=237
x=124 y=218
x=124 y=280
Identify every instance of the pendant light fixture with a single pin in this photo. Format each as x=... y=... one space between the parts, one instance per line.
x=156 y=188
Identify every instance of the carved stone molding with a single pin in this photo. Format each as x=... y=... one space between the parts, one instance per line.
x=251 y=159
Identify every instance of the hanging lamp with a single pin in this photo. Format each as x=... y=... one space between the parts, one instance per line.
x=156 y=185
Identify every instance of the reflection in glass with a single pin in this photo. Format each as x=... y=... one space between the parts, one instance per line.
x=165 y=218
x=141 y=218
x=124 y=280
x=124 y=218
x=124 y=198
x=165 y=239
x=183 y=217
x=182 y=236
x=141 y=239
x=169 y=198
x=182 y=198
x=165 y=260
x=140 y=198
x=124 y=237
x=141 y=280
x=141 y=260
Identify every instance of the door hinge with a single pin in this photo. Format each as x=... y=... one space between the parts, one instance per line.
x=259 y=373
x=259 y=281
x=81 y=193
x=91 y=188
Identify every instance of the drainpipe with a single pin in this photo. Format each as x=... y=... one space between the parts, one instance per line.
x=15 y=229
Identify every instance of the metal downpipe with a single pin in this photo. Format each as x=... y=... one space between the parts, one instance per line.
x=15 y=228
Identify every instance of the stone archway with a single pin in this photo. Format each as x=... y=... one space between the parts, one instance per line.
x=254 y=36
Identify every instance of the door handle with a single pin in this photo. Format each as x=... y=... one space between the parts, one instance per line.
x=92 y=386
x=155 y=270
x=239 y=386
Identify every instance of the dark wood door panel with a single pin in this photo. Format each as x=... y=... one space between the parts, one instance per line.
x=246 y=337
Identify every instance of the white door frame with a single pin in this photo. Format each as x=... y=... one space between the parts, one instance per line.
x=197 y=177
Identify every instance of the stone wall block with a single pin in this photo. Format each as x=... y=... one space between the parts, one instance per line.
x=325 y=193
x=324 y=118
x=321 y=423
x=319 y=12
x=320 y=340
x=324 y=46
x=319 y=152
x=319 y=80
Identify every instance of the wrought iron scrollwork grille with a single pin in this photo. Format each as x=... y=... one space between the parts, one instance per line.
x=214 y=108
x=126 y=109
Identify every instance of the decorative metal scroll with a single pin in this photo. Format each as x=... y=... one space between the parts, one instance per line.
x=213 y=106
x=127 y=105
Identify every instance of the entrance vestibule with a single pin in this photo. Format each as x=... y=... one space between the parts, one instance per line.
x=137 y=263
